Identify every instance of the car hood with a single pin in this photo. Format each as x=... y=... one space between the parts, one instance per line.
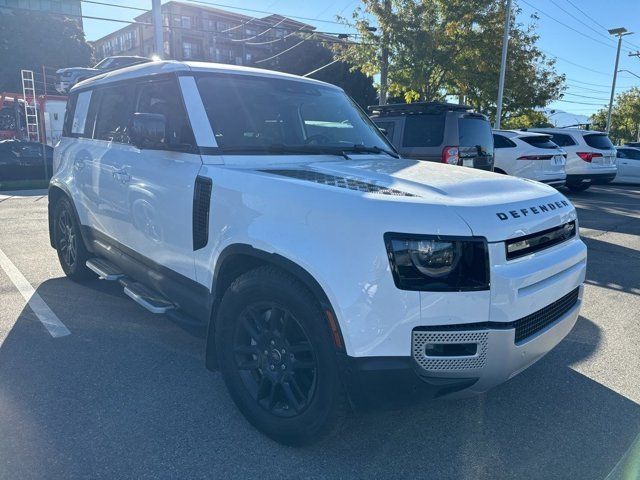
x=494 y=206
x=77 y=70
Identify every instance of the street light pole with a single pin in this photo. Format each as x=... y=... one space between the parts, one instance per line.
x=619 y=32
x=503 y=63
x=156 y=14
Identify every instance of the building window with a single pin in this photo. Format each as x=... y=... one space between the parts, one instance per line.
x=186 y=21
x=191 y=50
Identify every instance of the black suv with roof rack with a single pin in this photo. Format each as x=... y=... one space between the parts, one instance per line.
x=438 y=132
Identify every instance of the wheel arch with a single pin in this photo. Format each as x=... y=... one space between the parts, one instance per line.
x=56 y=192
x=237 y=259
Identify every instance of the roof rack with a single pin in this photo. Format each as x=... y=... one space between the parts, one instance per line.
x=416 y=107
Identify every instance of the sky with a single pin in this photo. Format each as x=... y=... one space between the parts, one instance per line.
x=573 y=31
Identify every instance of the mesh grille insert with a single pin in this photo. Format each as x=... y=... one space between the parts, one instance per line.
x=340 y=182
x=201 y=201
x=533 y=323
x=421 y=338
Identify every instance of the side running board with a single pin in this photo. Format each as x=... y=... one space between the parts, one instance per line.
x=104 y=269
x=149 y=299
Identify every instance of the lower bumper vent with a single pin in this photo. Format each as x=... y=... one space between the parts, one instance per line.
x=421 y=338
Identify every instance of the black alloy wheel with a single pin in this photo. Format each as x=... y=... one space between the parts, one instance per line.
x=275 y=358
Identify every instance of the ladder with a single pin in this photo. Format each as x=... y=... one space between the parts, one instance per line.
x=30 y=105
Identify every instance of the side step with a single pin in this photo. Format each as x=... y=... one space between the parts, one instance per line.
x=104 y=269
x=152 y=301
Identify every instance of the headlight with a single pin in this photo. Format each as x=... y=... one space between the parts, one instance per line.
x=438 y=264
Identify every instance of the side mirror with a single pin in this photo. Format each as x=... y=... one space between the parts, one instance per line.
x=148 y=130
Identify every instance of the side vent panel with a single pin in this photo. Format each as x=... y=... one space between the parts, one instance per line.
x=201 y=206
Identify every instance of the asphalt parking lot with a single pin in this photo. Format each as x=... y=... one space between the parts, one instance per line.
x=126 y=394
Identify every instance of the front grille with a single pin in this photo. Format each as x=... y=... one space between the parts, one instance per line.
x=420 y=338
x=340 y=182
x=533 y=323
x=535 y=242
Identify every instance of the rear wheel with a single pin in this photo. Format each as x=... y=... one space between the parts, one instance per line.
x=277 y=357
x=72 y=253
x=578 y=187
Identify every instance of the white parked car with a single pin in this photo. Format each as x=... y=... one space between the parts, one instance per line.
x=327 y=271
x=591 y=157
x=529 y=155
x=628 y=165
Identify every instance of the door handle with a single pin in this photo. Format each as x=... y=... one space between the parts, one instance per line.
x=122 y=176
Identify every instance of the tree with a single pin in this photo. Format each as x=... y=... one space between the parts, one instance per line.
x=527 y=119
x=452 y=47
x=312 y=55
x=29 y=40
x=625 y=117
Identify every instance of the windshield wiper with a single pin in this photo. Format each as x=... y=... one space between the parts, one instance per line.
x=359 y=148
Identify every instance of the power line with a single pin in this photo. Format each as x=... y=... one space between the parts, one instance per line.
x=115 y=5
x=598 y=84
x=284 y=51
x=568 y=26
x=580 y=103
x=575 y=64
x=585 y=96
x=595 y=21
x=581 y=22
x=321 y=68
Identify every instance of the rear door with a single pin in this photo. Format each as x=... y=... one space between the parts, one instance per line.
x=475 y=141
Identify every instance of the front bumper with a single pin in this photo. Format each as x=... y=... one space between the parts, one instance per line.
x=500 y=355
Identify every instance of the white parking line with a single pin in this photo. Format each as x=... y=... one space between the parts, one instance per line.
x=46 y=316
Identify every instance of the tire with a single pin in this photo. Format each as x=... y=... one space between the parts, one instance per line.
x=578 y=187
x=277 y=357
x=72 y=252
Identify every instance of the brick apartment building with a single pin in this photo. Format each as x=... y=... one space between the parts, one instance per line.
x=195 y=32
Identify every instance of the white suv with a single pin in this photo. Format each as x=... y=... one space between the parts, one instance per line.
x=327 y=271
x=529 y=155
x=591 y=157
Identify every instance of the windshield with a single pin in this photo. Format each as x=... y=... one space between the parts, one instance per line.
x=104 y=63
x=258 y=115
x=542 y=141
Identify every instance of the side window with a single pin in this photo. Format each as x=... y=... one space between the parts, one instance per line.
x=388 y=127
x=76 y=114
x=500 y=141
x=114 y=113
x=164 y=98
x=562 y=140
x=423 y=130
x=622 y=153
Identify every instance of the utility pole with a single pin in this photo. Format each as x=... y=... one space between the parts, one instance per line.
x=384 y=57
x=503 y=64
x=156 y=13
x=619 y=32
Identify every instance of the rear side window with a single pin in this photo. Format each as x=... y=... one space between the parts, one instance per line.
x=114 y=113
x=164 y=97
x=598 y=140
x=75 y=122
x=500 y=141
x=475 y=132
x=388 y=127
x=539 y=142
x=423 y=130
x=562 y=140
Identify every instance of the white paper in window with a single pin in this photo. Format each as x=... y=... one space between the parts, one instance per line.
x=80 y=115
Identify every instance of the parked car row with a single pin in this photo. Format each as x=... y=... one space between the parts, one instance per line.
x=456 y=135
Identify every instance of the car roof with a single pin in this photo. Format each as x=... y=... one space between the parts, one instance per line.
x=567 y=130
x=520 y=133
x=171 y=66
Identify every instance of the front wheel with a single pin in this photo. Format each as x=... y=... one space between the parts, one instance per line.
x=72 y=253
x=277 y=357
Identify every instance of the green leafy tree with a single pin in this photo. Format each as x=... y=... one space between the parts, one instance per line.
x=29 y=40
x=527 y=119
x=452 y=47
x=625 y=117
x=312 y=55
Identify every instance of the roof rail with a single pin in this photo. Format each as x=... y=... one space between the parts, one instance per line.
x=416 y=107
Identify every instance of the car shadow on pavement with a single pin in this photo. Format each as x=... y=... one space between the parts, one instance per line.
x=127 y=395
